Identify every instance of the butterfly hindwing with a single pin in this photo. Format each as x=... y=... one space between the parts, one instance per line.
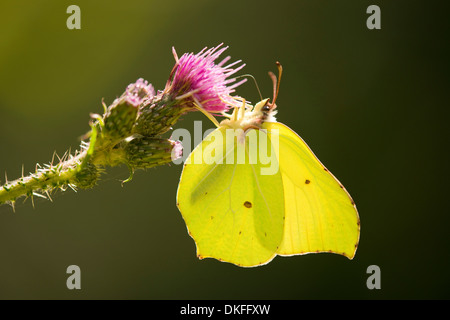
x=320 y=216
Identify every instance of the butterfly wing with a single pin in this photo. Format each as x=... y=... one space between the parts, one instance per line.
x=320 y=216
x=232 y=211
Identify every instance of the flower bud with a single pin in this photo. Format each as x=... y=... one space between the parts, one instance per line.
x=147 y=152
x=121 y=115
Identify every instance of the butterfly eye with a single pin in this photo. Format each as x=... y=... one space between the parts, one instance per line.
x=266 y=108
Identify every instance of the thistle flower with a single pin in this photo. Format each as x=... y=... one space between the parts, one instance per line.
x=197 y=79
x=129 y=132
x=195 y=83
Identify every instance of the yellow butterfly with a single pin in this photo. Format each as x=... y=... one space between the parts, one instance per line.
x=253 y=189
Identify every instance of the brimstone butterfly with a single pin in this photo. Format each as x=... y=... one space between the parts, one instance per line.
x=236 y=212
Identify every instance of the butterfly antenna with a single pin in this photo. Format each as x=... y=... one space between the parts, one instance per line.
x=276 y=83
x=254 y=80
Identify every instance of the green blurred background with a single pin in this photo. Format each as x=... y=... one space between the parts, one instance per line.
x=370 y=103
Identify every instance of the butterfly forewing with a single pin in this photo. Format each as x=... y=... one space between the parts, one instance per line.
x=232 y=211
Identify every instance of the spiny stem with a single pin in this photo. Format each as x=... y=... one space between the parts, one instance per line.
x=45 y=179
x=129 y=132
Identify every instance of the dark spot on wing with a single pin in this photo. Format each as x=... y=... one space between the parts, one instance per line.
x=247 y=204
x=206 y=193
x=307 y=181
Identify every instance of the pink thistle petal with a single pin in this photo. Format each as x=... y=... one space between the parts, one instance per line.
x=139 y=91
x=198 y=78
x=177 y=150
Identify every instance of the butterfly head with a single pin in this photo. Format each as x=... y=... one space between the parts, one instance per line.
x=245 y=116
x=265 y=110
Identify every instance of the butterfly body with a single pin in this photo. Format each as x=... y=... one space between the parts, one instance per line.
x=253 y=190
